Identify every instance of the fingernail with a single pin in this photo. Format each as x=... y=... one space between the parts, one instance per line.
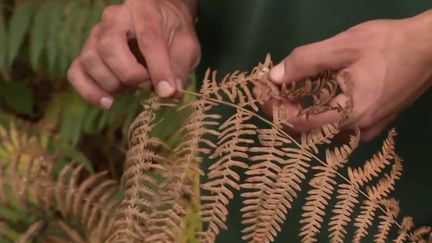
x=106 y=102
x=277 y=73
x=165 y=89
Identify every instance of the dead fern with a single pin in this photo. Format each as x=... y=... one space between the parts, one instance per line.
x=267 y=165
x=29 y=182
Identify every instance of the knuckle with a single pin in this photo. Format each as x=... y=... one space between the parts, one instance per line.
x=112 y=86
x=128 y=78
x=95 y=30
x=148 y=36
x=105 y=46
x=71 y=73
x=110 y=12
x=89 y=57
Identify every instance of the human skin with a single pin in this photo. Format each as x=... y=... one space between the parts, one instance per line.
x=165 y=34
x=385 y=65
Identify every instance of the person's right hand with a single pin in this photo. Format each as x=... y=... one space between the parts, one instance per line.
x=164 y=31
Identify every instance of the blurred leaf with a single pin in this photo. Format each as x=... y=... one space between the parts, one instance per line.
x=3 y=40
x=8 y=234
x=18 y=96
x=11 y=215
x=79 y=17
x=54 y=28
x=91 y=120
x=18 y=27
x=74 y=113
x=38 y=35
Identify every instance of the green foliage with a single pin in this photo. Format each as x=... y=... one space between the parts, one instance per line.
x=38 y=109
x=53 y=30
x=18 y=97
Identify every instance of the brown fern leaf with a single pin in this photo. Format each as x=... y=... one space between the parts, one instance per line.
x=234 y=86
x=406 y=225
x=322 y=188
x=31 y=232
x=377 y=163
x=194 y=144
x=232 y=148
x=274 y=180
x=418 y=235
x=347 y=199
x=375 y=194
x=90 y=200
x=141 y=188
x=348 y=192
x=321 y=88
x=166 y=222
x=70 y=232
x=323 y=135
x=387 y=220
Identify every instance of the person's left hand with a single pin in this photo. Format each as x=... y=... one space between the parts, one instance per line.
x=386 y=64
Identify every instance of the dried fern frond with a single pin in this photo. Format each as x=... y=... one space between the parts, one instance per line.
x=137 y=207
x=375 y=194
x=29 y=182
x=234 y=139
x=387 y=220
x=267 y=165
x=406 y=225
x=31 y=232
x=322 y=188
x=274 y=180
x=420 y=234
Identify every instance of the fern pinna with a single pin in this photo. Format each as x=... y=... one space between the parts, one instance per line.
x=57 y=203
x=265 y=165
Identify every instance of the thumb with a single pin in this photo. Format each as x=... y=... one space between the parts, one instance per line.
x=310 y=60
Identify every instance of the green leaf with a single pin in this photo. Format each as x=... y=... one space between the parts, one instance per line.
x=38 y=35
x=3 y=38
x=73 y=118
x=10 y=215
x=54 y=28
x=91 y=119
x=18 y=96
x=18 y=27
x=79 y=16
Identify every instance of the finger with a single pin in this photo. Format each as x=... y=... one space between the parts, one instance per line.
x=369 y=134
x=146 y=85
x=94 y=66
x=154 y=46
x=312 y=59
x=185 y=54
x=302 y=123
x=114 y=49
x=87 y=88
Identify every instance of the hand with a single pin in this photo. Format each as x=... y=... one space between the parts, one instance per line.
x=386 y=65
x=164 y=32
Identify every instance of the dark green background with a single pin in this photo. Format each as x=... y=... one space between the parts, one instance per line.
x=237 y=34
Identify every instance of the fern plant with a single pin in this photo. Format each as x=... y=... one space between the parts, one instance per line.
x=60 y=203
x=275 y=166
